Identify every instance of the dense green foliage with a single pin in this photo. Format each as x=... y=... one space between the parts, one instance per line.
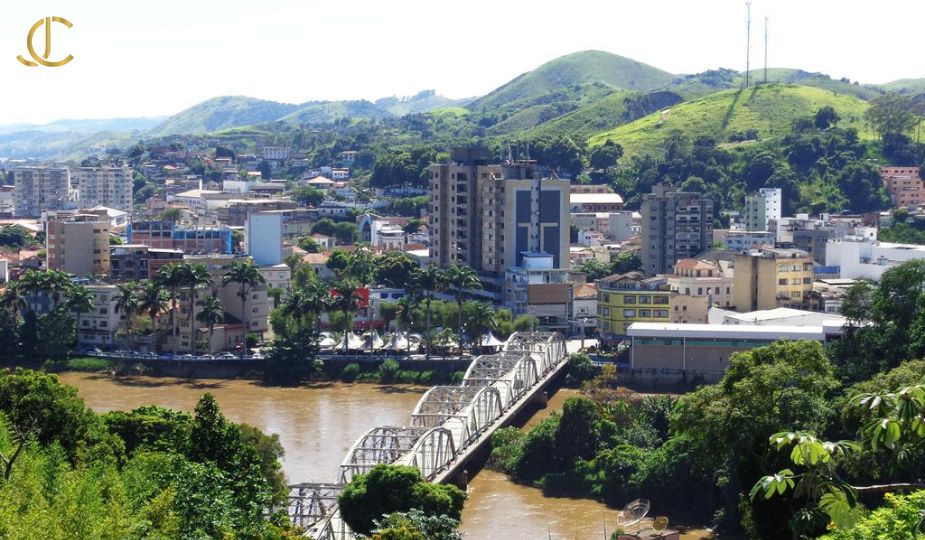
x=900 y=517
x=148 y=473
x=395 y=488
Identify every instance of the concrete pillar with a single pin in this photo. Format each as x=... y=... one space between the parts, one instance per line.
x=541 y=399
x=462 y=480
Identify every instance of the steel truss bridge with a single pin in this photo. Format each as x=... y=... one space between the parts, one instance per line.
x=448 y=425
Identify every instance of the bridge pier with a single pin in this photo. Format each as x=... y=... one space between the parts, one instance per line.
x=461 y=480
x=541 y=399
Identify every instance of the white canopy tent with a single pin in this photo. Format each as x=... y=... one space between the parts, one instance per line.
x=372 y=341
x=354 y=343
x=489 y=340
x=396 y=342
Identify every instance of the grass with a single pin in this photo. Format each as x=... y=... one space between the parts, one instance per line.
x=83 y=364
x=771 y=109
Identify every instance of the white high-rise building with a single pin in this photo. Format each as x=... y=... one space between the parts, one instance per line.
x=42 y=188
x=105 y=186
x=762 y=209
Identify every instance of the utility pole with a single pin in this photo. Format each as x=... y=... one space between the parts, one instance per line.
x=765 y=50
x=748 y=39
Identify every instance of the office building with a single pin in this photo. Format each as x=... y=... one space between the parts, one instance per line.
x=79 y=244
x=675 y=225
x=105 y=186
x=42 y=188
x=768 y=278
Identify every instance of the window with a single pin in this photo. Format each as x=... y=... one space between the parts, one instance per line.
x=645 y=300
x=662 y=313
x=645 y=313
x=606 y=311
x=661 y=300
x=782 y=281
x=103 y=324
x=629 y=299
x=699 y=291
x=606 y=298
x=629 y=313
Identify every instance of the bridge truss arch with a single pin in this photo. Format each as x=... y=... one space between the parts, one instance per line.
x=432 y=452
x=464 y=410
x=384 y=444
x=512 y=373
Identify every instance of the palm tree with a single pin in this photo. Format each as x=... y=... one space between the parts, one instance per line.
x=318 y=300
x=482 y=317
x=79 y=300
x=345 y=298
x=212 y=313
x=429 y=280
x=171 y=277
x=194 y=275
x=461 y=278
x=153 y=300
x=14 y=297
x=127 y=302
x=403 y=315
x=245 y=273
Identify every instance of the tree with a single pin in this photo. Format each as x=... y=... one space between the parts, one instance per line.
x=395 y=488
x=481 y=318
x=80 y=301
x=763 y=391
x=308 y=196
x=606 y=155
x=825 y=118
x=394 y=268
x=414 y=525
x=266 y=170
x=246 y=274
x=173 y=215
x=212 y=313
x=153 y=300
x=194 y=275
x=126 y=301
x=429 y=280
x=461 y=278
x=345 y=298
x=890 y=114
x=171 y=276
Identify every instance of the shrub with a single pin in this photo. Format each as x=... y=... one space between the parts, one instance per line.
x=580 y=369
x=389 y=371
x=350 y=373
x=88 y=364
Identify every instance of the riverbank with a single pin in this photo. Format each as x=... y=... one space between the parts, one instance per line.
x=317 y=423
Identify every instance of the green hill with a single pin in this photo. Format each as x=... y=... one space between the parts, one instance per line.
x=323 y=112
x=422 y=102
x=574 y=69
x=701 y=84
x=223 y=113
x=607 y=113
x=523 y=115
x=770 y=109
x=904 y=86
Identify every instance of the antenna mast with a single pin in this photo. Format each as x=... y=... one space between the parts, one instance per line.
x=748 y=39
x=765 y=50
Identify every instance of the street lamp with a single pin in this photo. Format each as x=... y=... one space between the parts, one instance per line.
x=584 y=321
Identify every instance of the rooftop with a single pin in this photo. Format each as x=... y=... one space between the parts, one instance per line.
x=595 y=198
x=726 y=331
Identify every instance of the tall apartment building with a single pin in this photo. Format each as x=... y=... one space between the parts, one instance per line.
x=904 y=185
x=768 y=278
x=105 y=186
x=762 y=209
x=42 y=188
x=79 y=244
x=488 y=215
x=675 y=225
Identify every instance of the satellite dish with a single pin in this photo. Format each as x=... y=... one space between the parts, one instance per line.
x=634 y=512
x=660 y=523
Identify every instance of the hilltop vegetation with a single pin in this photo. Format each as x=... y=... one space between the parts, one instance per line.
x=766 y=110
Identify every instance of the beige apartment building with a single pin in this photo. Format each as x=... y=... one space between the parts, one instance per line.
x=768 y=278
x=487 y=216
x=702 y=279
x=105 y=186
x=42 y=188
x=78 y=244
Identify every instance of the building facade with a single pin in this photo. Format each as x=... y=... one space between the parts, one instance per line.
x=675 y=225
x=904 y=186
x=702 y=279
x=79 y=245
x=42 y=188
x=767 y=278
x=105 y=186
x=763 y=209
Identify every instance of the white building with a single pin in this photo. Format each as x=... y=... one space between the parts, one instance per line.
x=745 y=240
x=105 y=186
x=98 y=325
x=236 y=186
x=263 y=237
x=762 y=209
x=861 y=256
x=42 y=188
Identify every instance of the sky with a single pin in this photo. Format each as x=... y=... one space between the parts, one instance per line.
x=157 y=57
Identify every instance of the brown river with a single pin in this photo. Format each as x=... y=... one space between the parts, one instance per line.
x=318 y=424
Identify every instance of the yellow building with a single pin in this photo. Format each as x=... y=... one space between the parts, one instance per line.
x=767 y=278
x=78 y=244
x=627 y=298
